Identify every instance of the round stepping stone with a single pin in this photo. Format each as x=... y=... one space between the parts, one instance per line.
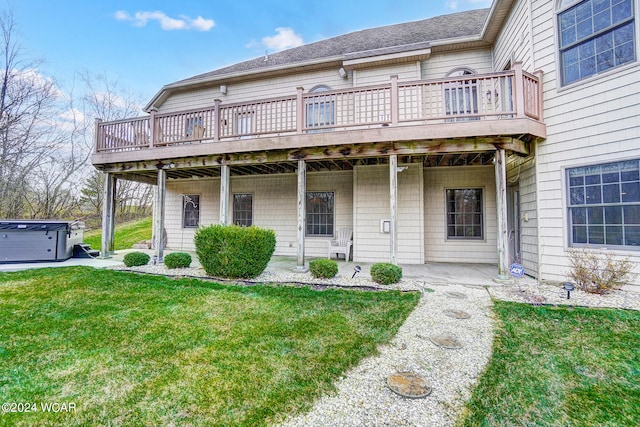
x=457 y=314
x=458 y=295
x=446 y=341
x=408 y=384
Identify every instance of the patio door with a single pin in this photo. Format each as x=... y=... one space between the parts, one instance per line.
x=513 y=223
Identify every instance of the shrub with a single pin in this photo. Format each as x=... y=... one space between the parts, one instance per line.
x=323 y=268
x=232 y=251
x=177 y=260
x=597 y=271
x=133 y=259
x=385 y=273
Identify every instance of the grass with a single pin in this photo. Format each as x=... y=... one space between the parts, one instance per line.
x=130 y=349
x=560 y=367
x=126 y=234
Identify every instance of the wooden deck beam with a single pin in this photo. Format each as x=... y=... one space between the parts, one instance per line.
x=336 y=152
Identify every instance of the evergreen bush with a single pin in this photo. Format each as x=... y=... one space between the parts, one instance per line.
x=232 y=251
x=134 y=259
x=323 y=268
x=385 y=273
x=177 y=260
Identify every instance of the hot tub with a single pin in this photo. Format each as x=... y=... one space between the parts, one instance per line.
x=34 y=240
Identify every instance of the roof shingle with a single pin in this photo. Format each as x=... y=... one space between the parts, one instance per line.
x=397 y=37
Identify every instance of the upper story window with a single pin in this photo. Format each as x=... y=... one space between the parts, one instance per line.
x=594 y=36
x=461 y=97
x=320 y=108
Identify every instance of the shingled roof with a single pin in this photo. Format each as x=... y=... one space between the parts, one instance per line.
x=391 y=38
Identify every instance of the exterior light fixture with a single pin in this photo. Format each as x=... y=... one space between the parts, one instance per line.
x=493 y=95
x=343 y=73
x=356 y=270
x=223 y=89
x=165 y=165
x=568 y=286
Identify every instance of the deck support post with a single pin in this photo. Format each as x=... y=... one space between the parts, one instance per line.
x=224 y=194
x=302 y=213
x=158 y=220
x=108 y=215
x=501 y=208
x=393 y=204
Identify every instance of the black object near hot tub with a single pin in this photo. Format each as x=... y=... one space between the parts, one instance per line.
x=34 y=240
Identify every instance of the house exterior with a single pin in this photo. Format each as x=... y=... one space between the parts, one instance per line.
x=500 y=135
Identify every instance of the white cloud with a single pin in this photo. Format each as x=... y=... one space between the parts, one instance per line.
x=183 y=22
x=285 y=39
x=72 y=115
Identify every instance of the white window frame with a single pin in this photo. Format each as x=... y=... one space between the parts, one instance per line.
x=235 y=211
x=310 y=224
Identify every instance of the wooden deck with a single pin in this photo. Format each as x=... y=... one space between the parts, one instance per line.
x=429 y=115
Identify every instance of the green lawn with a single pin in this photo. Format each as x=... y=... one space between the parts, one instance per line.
x=560 y=367
x=126 y=235
x=128 y=349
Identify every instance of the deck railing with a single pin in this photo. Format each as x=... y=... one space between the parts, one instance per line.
x=497 y=96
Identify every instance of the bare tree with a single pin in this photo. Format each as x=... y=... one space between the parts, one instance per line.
x=46 y=138
x=106 y=99
x=28 y=106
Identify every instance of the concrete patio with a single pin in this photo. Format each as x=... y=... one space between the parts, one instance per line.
x=435 y=273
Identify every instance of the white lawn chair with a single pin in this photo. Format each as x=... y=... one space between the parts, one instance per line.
x=341 y=244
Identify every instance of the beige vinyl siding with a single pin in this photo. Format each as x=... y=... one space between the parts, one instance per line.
x=514 y=44
x=593 y=121
x=438 y=66
x=255 y=90
x=274 y=207
x=382 y=75
x=371 y=205
x=179 y=238
x=437 y=247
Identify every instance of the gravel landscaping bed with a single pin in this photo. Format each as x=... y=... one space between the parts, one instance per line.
x=361 y=282
x=542 y=294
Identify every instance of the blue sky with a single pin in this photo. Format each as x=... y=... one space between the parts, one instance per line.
x=147 y=44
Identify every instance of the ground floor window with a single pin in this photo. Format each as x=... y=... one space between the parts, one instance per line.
x=464 y=214
x=320 y=212
x=190 y=211
x=604 y=204
x=243 y=209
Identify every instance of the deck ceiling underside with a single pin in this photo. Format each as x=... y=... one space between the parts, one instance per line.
x=430 y=160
